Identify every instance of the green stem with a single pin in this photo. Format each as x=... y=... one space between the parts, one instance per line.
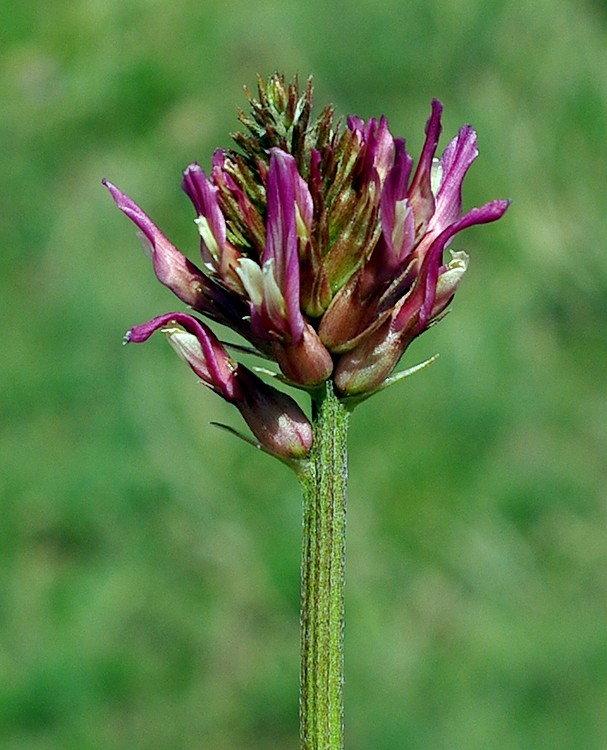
x=322 y=578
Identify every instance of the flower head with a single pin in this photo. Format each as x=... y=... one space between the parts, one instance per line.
x=320 y=244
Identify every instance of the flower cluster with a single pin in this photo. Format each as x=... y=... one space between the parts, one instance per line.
x=321 y=246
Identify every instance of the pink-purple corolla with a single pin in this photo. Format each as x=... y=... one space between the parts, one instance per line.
x=321 y=247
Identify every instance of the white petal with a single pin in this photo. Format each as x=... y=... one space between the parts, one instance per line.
x=252 y=279
x=401 y=209
x=148 y=247
x=272 y=295
x=185 y=344
x=436 y=176
x=448 y=280
x=208 y=237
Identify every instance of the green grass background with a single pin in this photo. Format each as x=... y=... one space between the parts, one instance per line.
x=149 y=563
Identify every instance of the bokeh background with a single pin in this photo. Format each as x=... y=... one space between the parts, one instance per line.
x=149 y=563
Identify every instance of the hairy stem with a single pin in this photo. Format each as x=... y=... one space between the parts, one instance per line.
x=322 y=578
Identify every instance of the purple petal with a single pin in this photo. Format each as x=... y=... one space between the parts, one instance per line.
x=303 y=200
x=397 y=222
x=420 y=191
x=378 y=146
x=133 y=211
x=455 y=162
x=281 y=238
x=431 y=264
x=205 y=355
x=171 y=267
x=356 y=124
x=275 y=418
x=491 y=211
x=383 y=148
x=233 y=189
x=204 y=198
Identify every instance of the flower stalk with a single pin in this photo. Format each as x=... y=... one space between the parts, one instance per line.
x=324 y=247
x=324 y=483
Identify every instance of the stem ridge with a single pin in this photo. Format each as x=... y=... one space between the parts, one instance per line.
x=323 y=577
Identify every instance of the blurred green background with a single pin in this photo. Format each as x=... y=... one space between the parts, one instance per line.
x=149 y=563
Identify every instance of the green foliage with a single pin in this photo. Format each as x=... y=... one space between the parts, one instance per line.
x=149 y=563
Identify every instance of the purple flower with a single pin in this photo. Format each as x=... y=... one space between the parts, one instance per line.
x=320 y=244
x=274 y=418
x=405 y=285
x=200 y=291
